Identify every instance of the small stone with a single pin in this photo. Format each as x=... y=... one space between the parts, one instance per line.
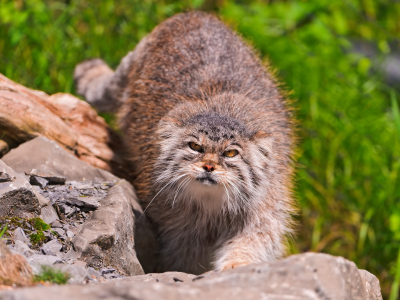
x=51 y=248
x=87 y=202
x=56 y=224
x=66 y=226
x=42 y=200
x=60 y=231
x=58 y=211
x=74 y=210
x=107 y=271
x=49 y=235
x=5 y=177
x=35 y=180
x=112 y=276
x=19 y=235
x=48 y=175
x=70 y=234
x=65 y=209
x=23 y=249
x=48 y=214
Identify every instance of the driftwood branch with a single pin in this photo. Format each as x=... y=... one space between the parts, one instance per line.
x=71 y=122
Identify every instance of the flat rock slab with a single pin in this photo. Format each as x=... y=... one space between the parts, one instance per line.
x=51 y=177
x=44 y=154
x=85 y=202
x=303 y=276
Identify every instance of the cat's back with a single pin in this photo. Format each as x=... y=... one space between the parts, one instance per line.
x=185 y=57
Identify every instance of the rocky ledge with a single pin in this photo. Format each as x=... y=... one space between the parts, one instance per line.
x=304 y=276
x=59 y=210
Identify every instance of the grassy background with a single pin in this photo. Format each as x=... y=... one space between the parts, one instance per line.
x=348 y=186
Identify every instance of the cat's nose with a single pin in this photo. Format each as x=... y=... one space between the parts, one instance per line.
x=209 y=167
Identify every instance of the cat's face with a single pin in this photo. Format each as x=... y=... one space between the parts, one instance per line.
x=214 y=160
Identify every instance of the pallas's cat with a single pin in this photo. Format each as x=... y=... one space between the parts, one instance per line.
x=210 y=138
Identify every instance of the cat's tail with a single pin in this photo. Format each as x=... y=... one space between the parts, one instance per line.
x=94 y=80
x=100 y=85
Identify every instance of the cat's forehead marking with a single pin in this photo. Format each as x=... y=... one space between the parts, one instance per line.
x=217 y=127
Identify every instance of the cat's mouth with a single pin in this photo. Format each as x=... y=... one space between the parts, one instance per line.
x=206 y=179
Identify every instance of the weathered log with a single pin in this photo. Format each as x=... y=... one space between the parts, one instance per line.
x=64 y=118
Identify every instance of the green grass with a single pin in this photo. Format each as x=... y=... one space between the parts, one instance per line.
x=347 y=184
x=39 y=224
x=48 y=274
x=3 y=231
x=38 y=238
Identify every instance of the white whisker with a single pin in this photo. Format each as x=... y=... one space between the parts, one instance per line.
x=171 y=182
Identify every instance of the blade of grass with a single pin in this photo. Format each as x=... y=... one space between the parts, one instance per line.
x=394 y=292
x=395 y=110
x=3 y=231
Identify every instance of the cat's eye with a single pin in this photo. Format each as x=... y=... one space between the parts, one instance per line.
x=195 y=147
x=231 y=153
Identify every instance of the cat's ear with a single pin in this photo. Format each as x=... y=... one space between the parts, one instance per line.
x=264 y=141
x=260 y=135
x=167 y=126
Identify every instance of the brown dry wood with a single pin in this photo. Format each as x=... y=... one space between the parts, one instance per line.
x=71 y=122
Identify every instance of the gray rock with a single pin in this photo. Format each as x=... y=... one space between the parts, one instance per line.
x=41 y=153
x=86 y=202
x=51 y=248
x=5 y=177
x=78 y=274
x=107 y=271
x=70 y=234
x=112 y=275
x=36 y=261
x=56 y=224
x=60 y=231
x=372 y=285
x=49 y=235
x=23 y=249
x=42 y=200
x=35 y=180
x=48 y=214
x=94 y=274
x=300 y=277
x=167 y=277
x=107 y=238
x=65 y=209
x=49 y=176
x=19 y=235
x=17 y=197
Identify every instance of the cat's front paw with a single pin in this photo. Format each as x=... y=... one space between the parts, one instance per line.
x=234 y=264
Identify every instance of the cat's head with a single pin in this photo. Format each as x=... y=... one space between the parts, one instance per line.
x=212 y=159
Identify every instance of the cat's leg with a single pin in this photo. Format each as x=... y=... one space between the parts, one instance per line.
x=100 y=85
x=254 y=244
